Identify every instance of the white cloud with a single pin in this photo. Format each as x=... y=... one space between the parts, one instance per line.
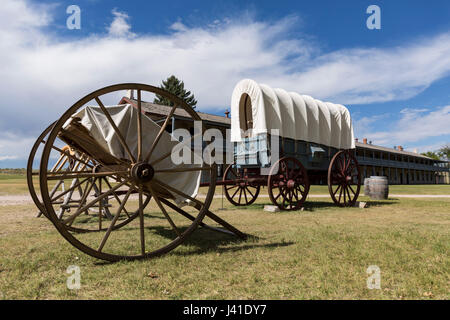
x=44 y=74
x=2 y=158
x=413 y=127
x=428 y=147
x=119 y=26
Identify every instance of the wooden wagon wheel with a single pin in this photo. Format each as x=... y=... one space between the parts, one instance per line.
x=288 y=184
x=344 y=178
x=240 y=192
x=31 y=173
x=65 y=162
x=139 y=173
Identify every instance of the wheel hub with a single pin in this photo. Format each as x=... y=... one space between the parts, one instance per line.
x=142 y=172
x=290 y=184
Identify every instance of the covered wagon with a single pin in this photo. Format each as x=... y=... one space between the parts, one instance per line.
x=299 y=140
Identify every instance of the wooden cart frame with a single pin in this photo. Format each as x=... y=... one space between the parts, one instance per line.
x=300 y=164
x=105 y=184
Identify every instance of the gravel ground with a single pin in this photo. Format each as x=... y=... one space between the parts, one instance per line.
x=10 y=200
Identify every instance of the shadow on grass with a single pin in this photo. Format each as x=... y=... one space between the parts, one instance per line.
x=317 y=205
x=203 y=240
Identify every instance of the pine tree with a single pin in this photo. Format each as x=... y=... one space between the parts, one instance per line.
x=176 y=87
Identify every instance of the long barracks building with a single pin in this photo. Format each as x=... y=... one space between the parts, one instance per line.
x=399 y=166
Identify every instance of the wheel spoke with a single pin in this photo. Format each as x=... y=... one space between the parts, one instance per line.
x=141 y=220
x=153 y=163
x=139 y=124
x=299 y=189
x=116 y=129
x=339 y=186
x=116 y=217
x=67 y=172
x=279 y=194
x=158 y=136
x=349 y=159
x=235 y=192
x=100 y=205
x=63 y=176
x=181 y=193
x=344 y=188
x=349 y=197
x=91 y=203
x=117 y=198
x=296 y=194
x=58 y=162
x=172 y=224
x=235 y=173
x=285 y=199
x=67 y=191
x=249 y=192
x=245 y=195
x=352 y=189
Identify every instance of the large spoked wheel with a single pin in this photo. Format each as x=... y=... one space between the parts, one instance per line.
x=143 y=172
x=65 y=201
x=288 y=184
x=31 y=173
x=344 y=179
x=238 y=190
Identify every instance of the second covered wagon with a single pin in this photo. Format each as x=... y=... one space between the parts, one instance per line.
x=287 y=141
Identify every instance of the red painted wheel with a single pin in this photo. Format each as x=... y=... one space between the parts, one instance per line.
x=288 y=184
x=344 y=179
x=239 y=192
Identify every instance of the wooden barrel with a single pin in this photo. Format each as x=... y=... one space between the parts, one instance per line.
x=379 y=187
x=366 y=187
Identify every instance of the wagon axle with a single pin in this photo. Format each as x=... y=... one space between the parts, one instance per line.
x=142 y=172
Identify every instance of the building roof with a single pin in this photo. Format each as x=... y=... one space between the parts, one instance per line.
x=163 y=110
x=159 y=109
x=385 y=149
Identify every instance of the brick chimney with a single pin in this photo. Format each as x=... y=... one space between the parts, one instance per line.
x=400 y=148
x=227 y=113
x=365 y=140
x=356 y=139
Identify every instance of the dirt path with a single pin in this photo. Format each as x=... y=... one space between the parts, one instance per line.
x=11 y=200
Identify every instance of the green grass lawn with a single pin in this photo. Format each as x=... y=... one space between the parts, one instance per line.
x=15 y=184
x=11 y=184
x=322 y=252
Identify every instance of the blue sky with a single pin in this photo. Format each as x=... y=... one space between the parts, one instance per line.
x=395 y=81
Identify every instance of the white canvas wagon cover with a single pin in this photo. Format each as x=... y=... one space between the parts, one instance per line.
x=125 y=118
x=260 y=108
